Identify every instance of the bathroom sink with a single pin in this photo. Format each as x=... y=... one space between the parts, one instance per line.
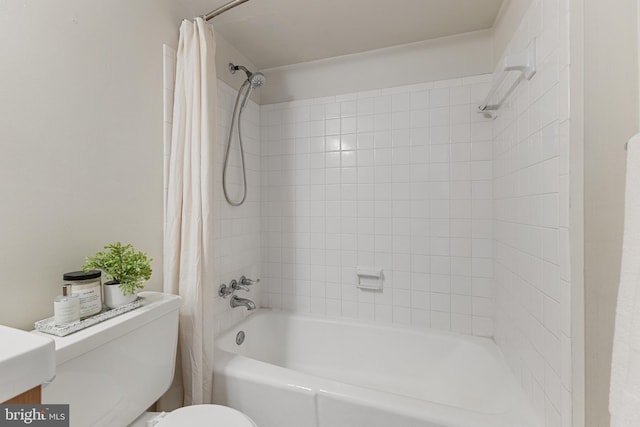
x=26 y=361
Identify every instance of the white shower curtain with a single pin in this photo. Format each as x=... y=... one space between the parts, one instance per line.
x=188 y=235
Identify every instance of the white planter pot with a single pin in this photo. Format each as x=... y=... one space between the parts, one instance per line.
x=113 y=297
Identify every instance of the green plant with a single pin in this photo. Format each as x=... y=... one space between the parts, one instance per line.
x=123 y=264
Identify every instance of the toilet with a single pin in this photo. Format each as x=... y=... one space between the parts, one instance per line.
x=215 y=415
x=111 y=373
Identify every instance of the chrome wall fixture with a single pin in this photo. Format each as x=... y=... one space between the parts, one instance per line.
x=523 y=62
x=235 y=285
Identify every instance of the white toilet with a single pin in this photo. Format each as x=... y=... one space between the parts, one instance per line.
x=110 y=373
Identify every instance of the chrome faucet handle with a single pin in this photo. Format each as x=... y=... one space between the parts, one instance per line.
x=247 y=282
x=238 y=285
x=224 y=290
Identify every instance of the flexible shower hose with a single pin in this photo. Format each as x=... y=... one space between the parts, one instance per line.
x=249 y=86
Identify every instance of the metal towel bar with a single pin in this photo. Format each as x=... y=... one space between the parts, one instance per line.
x=524 y=62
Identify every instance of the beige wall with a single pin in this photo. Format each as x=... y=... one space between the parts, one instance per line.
x=80 y=140
x=445 y=58
x=611 y=117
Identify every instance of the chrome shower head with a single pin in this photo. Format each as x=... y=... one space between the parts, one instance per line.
x=255 y=79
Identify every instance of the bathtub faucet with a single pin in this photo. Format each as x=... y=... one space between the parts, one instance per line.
x=236 y=301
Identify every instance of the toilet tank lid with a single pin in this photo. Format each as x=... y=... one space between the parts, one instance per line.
x=206 y=415
x=155 y=305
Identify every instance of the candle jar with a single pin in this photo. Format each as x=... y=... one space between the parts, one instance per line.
x=87 y=285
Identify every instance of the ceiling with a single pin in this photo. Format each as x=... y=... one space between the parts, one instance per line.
x=275 y=33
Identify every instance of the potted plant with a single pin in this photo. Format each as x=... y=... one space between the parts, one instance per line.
x=125 y=269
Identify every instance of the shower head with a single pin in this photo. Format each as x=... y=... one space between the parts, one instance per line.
x=255 y=79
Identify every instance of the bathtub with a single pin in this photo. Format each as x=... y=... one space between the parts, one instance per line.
x=296 y=370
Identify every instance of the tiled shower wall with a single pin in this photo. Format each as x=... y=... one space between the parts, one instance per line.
x=531 y=225
x=398 y=179
x=236 y=229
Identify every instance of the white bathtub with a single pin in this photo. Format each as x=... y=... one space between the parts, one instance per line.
x=307 y=371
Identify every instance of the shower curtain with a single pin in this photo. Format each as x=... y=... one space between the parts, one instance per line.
x=188 y=234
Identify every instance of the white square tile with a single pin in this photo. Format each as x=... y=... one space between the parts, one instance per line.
x=482 y=326
x=401 y=120
x=439 y=153
x=460 y=95
x=382 y=140
x=460 y=133
x=420 y=283
x=402 y=315
x=420 y=299
x=460 y=208
x=316 y=112
x=365 y=106
x=420 y=137
x=461 y=285
x=420 y=318
x=348 y=108
x=482 y=287
x=420 y=100
x=460 y=152
x=383 y=313
x=441 y=320
x=439 y=116
x=461 y=323
x=441 y=302
x=332 y=111
x=382 y=104
x=365 y=141
x=460 y=247
x=401 y=101
x=348 y=125
x=460 y=114
x=419 y=118
x=401 y=138
x=365 y=124
x=439 y=97
x=332 y=143
x=382 y=122
x=461 y=304
x=332 y=126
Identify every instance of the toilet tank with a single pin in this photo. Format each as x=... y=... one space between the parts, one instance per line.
x=111 y=372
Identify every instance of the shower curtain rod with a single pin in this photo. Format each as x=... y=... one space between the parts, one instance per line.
x=222 y=9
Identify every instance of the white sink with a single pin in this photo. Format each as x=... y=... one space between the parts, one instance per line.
x=26 y=361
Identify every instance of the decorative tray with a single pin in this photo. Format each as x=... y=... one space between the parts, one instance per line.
x=49 y=327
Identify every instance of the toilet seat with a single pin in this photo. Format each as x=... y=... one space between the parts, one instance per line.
x=206 y=415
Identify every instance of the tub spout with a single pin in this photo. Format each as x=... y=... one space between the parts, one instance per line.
x=236 y=301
